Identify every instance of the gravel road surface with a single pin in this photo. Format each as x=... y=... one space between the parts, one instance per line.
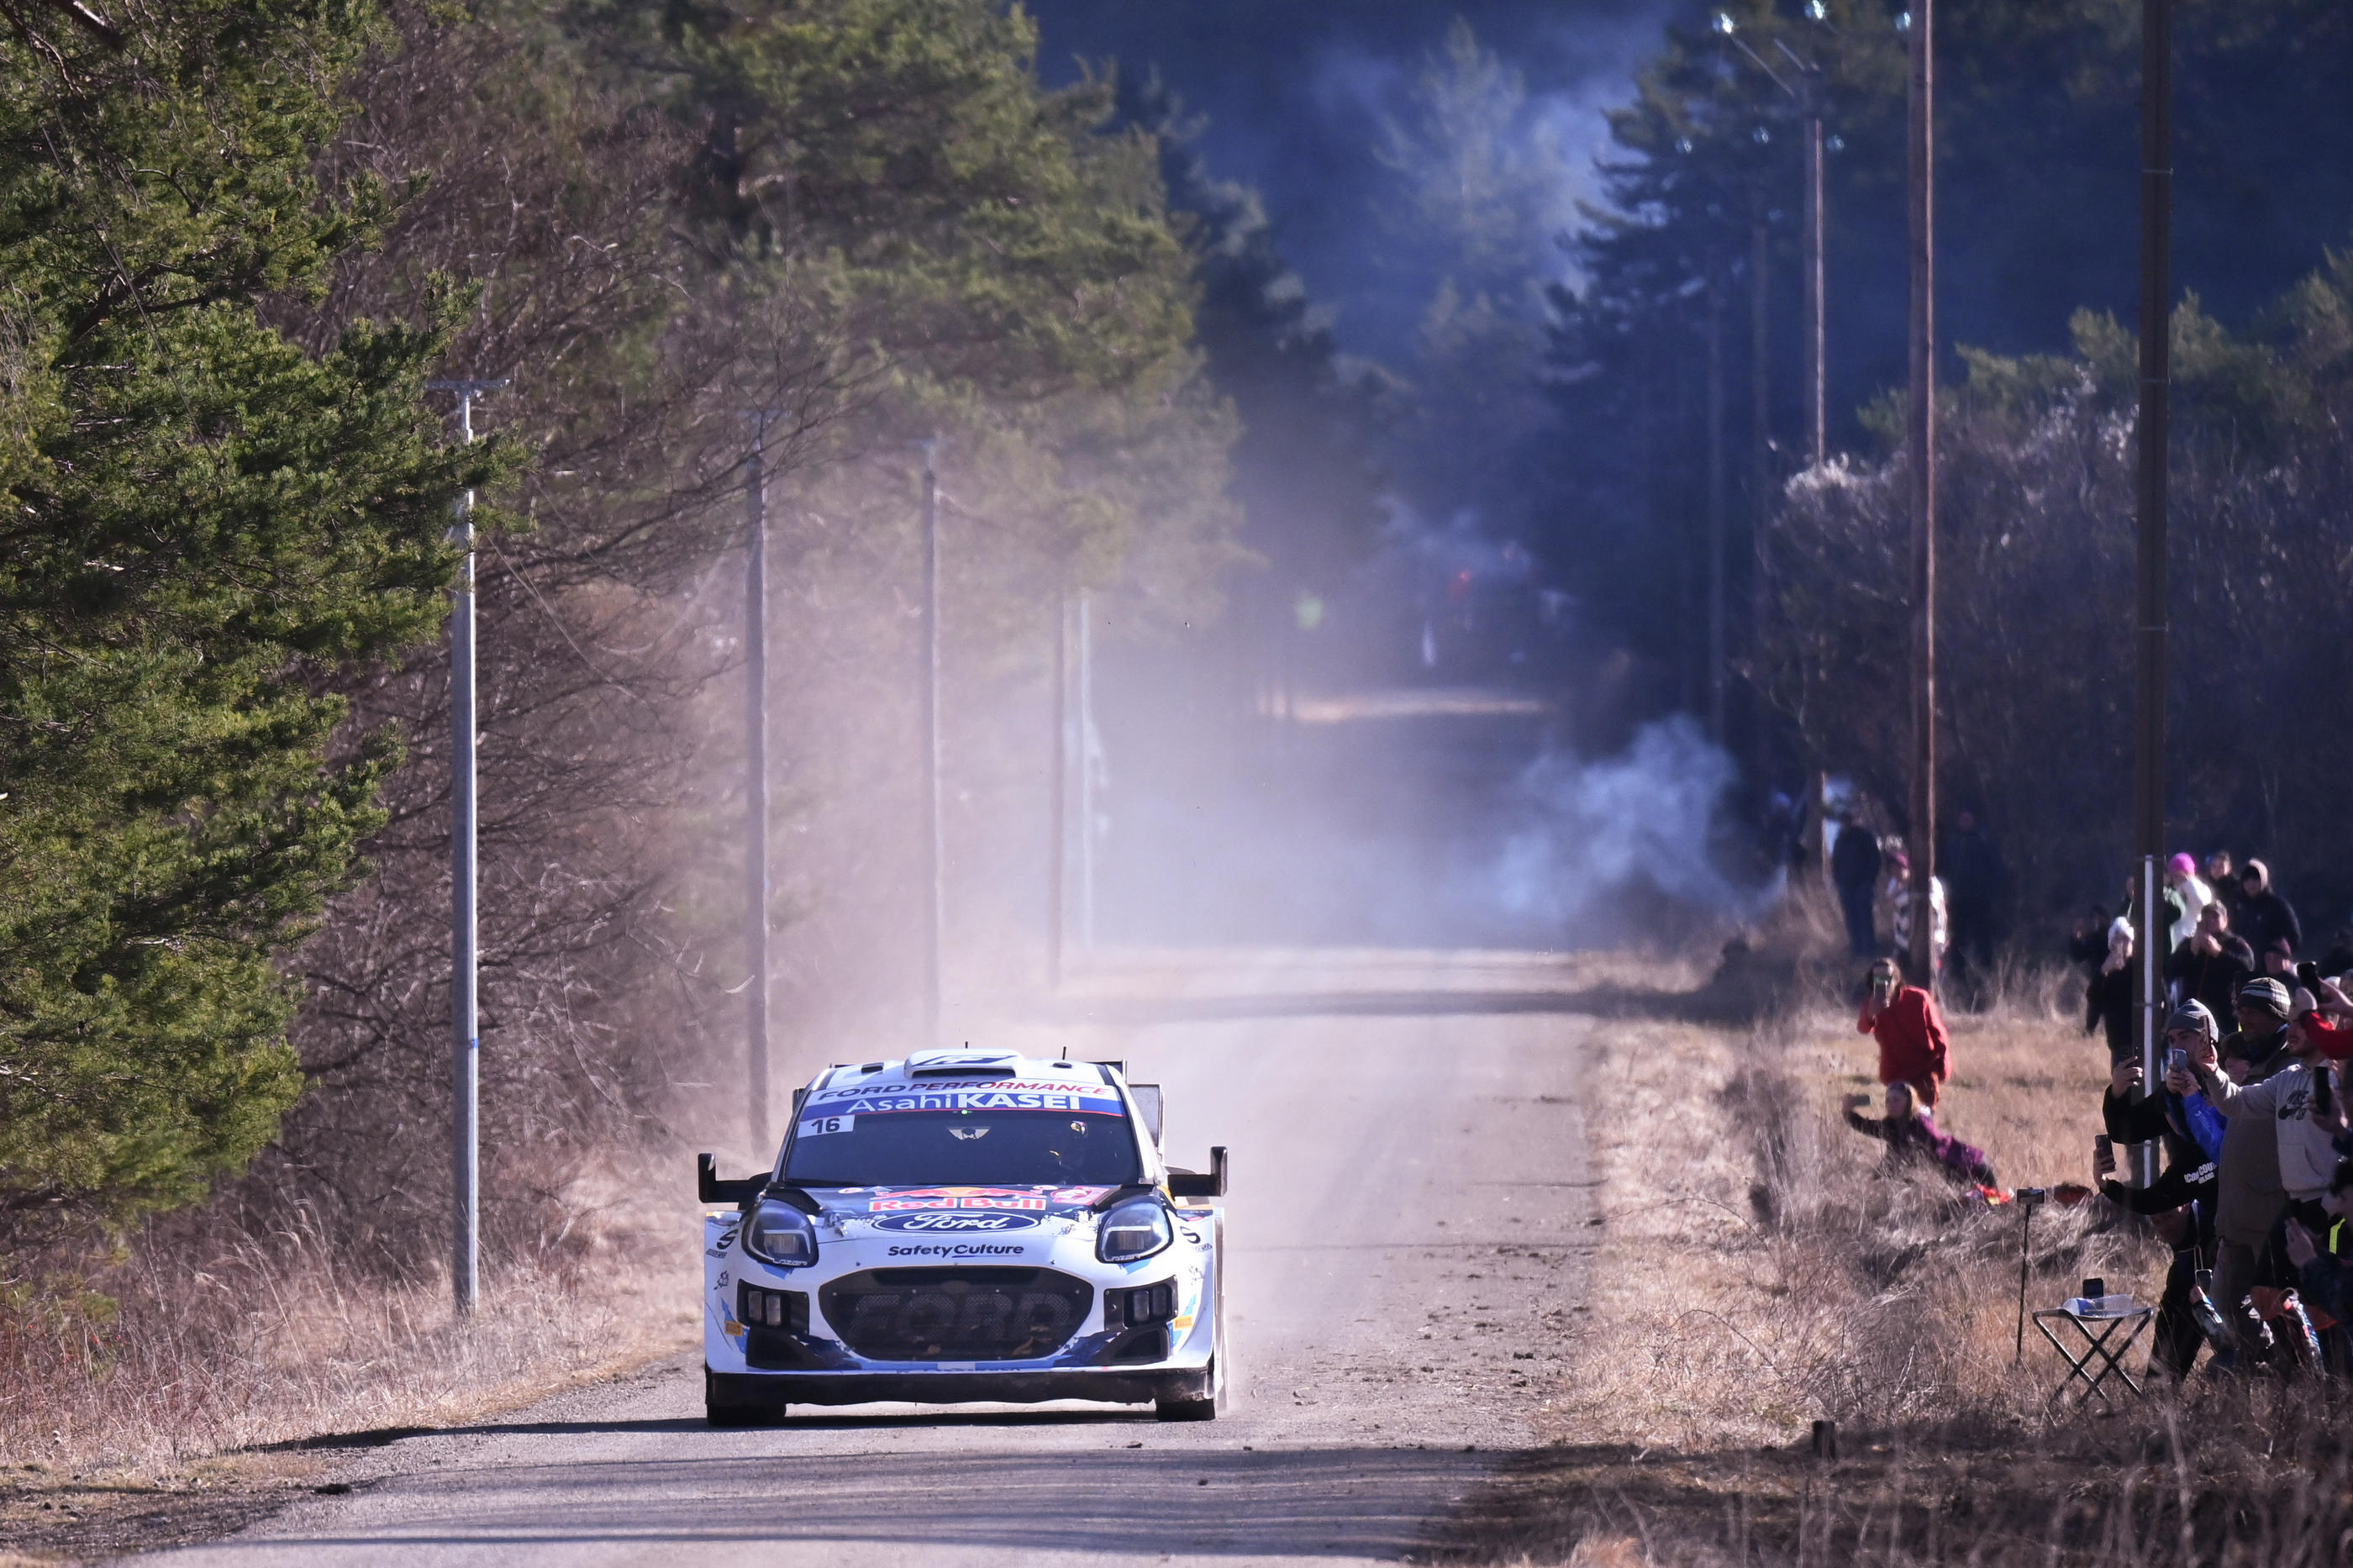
x=1410 y=1225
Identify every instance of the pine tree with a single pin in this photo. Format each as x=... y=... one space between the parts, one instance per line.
x=200 y=525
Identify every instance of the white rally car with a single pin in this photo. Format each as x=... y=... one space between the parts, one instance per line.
x=965 y=1226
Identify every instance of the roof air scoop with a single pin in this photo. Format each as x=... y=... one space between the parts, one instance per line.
x=962 y=1064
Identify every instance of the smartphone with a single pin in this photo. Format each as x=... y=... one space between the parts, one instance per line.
x=2104 y=1153
x=2176 y=1059
x=2308 y=975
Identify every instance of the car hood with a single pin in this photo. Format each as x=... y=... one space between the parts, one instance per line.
x=848 y=1202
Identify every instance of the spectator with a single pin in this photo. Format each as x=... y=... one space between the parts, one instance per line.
x=2181 y=1200
x=2278 y=961
x=2224 y=886
x=1854 y=868
x=2339 y=958
x=2169 y=907
x=1899 y=900
x=2322 y=1255
x=2087 y=944
x=2212 y=965
x=2332 y=1041
x=2181 y=878
x=1903 y=1019
x=1912 y=1137
x=2108 y=999
x=1974 y=874
x=2248 y=1197
x=2263 y=916
x=2300 y=1104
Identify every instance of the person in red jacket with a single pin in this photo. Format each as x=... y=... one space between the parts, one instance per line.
x=1910 y=1031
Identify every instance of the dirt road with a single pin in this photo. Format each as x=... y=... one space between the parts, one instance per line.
x=1409 y=1222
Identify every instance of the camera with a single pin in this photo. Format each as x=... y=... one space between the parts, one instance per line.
x=2028 y=1197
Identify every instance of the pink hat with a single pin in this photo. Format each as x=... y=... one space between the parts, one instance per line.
x=2182 y=866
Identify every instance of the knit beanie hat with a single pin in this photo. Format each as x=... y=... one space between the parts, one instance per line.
x=2182 y=866
x=2266 y=994
x=2191 y=1017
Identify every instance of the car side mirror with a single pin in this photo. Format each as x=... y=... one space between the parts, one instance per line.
x=1194 y=1185
x=710 y=1189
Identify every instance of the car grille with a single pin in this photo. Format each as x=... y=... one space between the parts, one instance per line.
x=955 y=1314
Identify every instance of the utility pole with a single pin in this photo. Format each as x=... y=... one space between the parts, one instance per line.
x=935 y=856
x=756 y=776
x=1817 y=340
x=1760 y=481
x=466 y=1045
x=1716 y=507
x=2154 y=430
x=1058 y=841
x=1922 y=170
x=1089 y=749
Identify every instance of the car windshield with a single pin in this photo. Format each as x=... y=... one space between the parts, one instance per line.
x=964 y=1146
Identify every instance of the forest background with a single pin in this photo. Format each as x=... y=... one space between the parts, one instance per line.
x=242 y=235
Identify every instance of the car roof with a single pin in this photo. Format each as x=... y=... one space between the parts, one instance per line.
x=966 y=1064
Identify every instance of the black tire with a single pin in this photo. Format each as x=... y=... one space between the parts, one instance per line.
x=1213 y=1398
x=720 y=1411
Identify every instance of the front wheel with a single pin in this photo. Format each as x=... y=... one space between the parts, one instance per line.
x=1205 y=1408
x=718 y=1410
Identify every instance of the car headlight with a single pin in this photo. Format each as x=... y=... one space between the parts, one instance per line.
x=1133 y=1230
x=780 y=1234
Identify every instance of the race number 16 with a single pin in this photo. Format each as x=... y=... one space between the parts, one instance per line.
x=818 y=1127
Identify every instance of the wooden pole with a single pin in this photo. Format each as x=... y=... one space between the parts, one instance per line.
x=1760 y=483
x=1716 y=508
x=1922 y=184
x=755 y=787
x=1817 y=334
x=2150 y=506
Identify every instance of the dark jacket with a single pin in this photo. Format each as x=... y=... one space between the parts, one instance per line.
x=2213 y=978
x=2190 y=1176
x=1971 y=868
x=2264 y=919
x=1854 y=858
x=2090 y=949
x=2108 y=1004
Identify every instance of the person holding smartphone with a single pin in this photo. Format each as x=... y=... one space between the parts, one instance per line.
x=1904 y=1020
x=2181 y=1200
x=2269 y=1152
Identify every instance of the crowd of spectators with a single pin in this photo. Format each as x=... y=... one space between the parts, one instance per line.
x=2247 y=1120
x=2243 y=1145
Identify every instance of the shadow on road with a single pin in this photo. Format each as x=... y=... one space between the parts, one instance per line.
x=378 y=1437
x=1366 y=1503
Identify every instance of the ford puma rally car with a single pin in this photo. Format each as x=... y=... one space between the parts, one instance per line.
x=965 y=1226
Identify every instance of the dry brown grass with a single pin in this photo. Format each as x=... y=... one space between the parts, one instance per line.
x=1761 y=1272
x=174 y=1353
